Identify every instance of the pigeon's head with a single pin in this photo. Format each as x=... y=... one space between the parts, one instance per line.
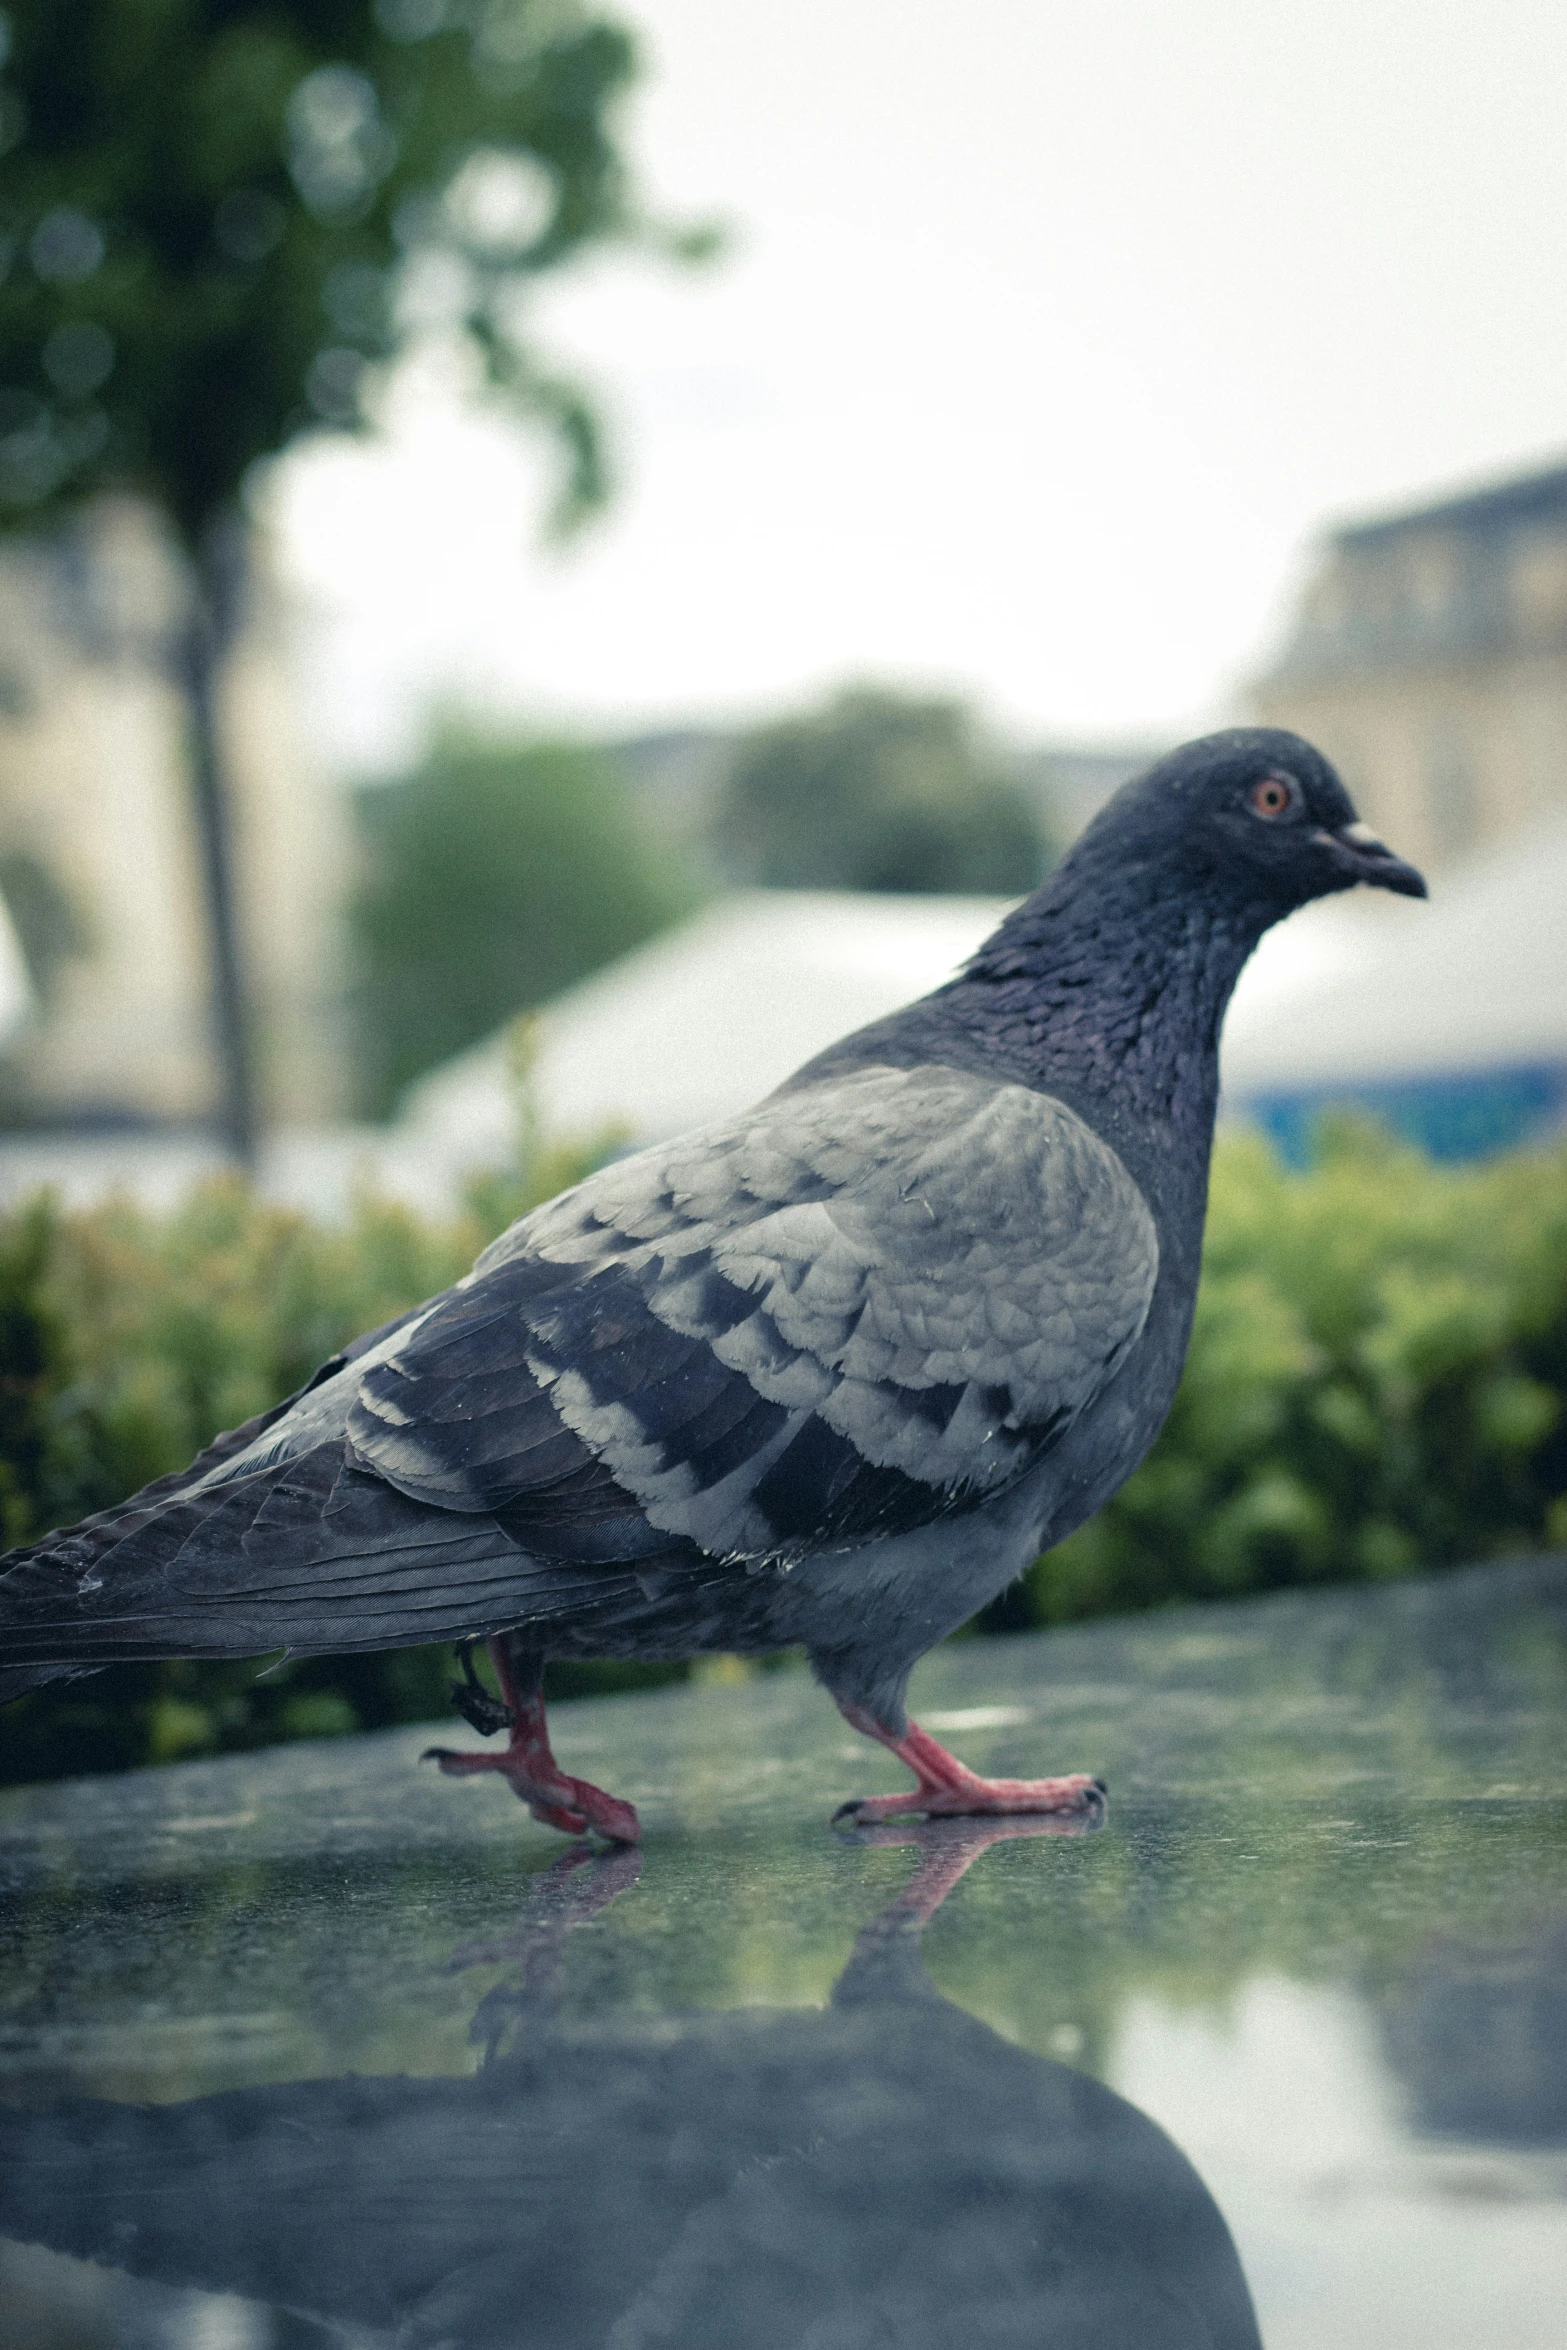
x=1258 y=816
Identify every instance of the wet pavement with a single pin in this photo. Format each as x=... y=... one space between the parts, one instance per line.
x=316 y=2047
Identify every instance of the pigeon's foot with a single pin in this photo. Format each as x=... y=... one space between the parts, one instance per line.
x=551 y=1794
x=536 y=1778
x=947 y=1787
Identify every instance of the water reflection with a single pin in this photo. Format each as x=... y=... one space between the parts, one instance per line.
x=887 y=2170
x=1478 y=2032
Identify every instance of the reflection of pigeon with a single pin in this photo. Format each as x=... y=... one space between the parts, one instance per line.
x=887 y=2171
x=1477 y=2032
x=831 y=1373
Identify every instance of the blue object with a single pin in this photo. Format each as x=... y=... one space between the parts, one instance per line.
x=1463 y=1114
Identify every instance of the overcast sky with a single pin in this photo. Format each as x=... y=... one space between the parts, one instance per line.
x=1047 y=335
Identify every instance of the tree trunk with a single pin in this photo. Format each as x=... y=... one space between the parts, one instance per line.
x=206 y=635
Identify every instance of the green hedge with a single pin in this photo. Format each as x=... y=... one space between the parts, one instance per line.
x=1376 y=1382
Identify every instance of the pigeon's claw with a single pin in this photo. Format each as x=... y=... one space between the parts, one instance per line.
x=947 y=1788
x=552 y=1795
x=536 y=1778
x=1076 y=1795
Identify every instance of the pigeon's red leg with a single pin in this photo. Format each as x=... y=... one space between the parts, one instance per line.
x=537 y=1779
x=948 y=1786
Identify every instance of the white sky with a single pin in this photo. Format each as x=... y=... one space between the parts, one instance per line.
x=1050 y=330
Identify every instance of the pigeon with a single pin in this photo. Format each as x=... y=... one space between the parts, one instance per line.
x=829 y=1375
x=885 y=2169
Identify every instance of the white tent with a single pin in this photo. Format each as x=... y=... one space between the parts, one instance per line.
x=702 y=1021
x=1448 y=1019
x=1344 y=1000
x=1475 y=978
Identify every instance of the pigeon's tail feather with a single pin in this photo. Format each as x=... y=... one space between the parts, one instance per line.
x=304 y=1552
x=307 y=1553
x=93 y=1538
x=17 y=1680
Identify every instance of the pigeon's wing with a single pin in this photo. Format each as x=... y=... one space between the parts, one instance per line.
x=872 y=1301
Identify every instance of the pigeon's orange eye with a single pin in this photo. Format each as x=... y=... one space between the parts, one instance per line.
x=1273 y=797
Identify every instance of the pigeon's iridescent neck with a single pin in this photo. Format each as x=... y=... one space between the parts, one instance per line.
x=1113 y=994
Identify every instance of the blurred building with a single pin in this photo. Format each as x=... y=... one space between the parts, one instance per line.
x=99 y=859
x=1429 y=660
x=17 y=998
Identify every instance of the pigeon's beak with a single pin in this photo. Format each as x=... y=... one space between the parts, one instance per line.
x=1358 y=852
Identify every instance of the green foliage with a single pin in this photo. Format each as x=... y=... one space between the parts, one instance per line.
x=34 y=1366
x=878 y=792
x=1377 y=1381
x=216 y=222
x=498 y=874
x=182 y=1326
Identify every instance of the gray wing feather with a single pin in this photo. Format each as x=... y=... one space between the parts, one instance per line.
x=929 y=1270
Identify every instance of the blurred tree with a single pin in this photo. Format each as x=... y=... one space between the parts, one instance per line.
x=882 y=792
x=218 y=216
x=498 y=874
x=48 y=925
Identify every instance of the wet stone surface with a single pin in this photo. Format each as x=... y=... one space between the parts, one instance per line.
x=315 y=2047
